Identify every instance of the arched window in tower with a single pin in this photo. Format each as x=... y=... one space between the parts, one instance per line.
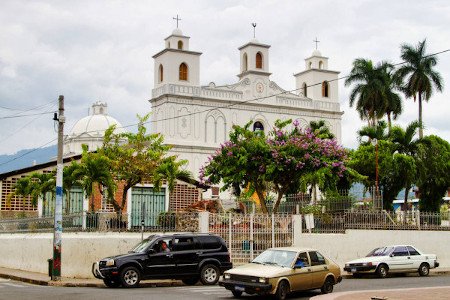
x=310 y=64
x=183 y=72
x=245 y=62
x=259 y=60
x=161 y=73
x=305 y=89
x=180 y=45
x=258 y=126
x=325 y=88
x=320 y=64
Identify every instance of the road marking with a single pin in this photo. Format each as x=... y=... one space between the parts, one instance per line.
x=4 y=280
x=13 y=284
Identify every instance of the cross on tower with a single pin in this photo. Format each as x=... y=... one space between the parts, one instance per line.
x=178 y=19
x=254 y=28
x=316 y=41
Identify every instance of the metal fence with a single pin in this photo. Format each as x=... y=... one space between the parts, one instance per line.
x=257 y=230
x=247 y=235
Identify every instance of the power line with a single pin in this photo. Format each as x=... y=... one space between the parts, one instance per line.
x=28 y=115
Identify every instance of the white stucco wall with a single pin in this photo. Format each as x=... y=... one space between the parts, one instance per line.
x=79 y=250
x=358 y=243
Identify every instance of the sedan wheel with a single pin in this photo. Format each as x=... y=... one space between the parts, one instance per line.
x=327 y=286
x=424 y=270
x=282 y=290
x=209 y=275
x=382 y=271
x=130 y=277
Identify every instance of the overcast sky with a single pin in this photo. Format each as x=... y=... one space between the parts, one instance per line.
x=102 y=50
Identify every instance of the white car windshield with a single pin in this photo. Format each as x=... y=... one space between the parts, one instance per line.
x=282 y=258
x=382 y=251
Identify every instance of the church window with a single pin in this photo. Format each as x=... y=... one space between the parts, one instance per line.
x=325 y=87
x=180 y=45
x=320 y=64
x=245 y=62
x=258 y=126
x=183 y=72
x=161 y=73
x=259 y=60
x=305 y=89
x=310 y=64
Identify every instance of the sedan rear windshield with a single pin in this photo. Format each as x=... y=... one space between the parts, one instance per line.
x=382 y=251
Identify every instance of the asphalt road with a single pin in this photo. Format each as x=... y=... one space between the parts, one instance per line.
x=10 y=289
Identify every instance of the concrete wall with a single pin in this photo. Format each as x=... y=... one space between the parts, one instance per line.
x=79 y=250
x=358 y=243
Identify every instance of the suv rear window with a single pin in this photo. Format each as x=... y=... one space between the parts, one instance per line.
x=209 y=242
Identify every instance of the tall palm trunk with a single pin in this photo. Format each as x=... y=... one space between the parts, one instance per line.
x=389 y=122
x=420 y=114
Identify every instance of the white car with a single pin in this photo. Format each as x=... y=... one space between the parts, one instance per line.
x=393 y=259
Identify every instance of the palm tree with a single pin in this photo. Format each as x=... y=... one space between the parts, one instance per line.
x=320 y=129
x=418 y=76
x=393 y=101
x=373 y=132
x=70 y=179
x=407 y=145
x=369 y=90
x=95 y=173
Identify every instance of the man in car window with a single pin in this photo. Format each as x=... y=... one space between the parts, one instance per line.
x=164 y=247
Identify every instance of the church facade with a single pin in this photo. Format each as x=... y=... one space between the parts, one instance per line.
x=195 y=119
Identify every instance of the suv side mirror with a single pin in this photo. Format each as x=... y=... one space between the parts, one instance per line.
x=151 y=251
x=392 y=255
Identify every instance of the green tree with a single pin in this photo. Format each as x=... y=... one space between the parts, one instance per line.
x=418 y=76
x=369 y=91
x=277 y=162
x=137 y=157
x=433 y=165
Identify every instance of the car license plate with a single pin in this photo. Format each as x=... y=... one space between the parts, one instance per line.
x=353 y=270
x=239 y=288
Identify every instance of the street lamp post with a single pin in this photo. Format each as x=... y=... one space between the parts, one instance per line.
x=375 y=143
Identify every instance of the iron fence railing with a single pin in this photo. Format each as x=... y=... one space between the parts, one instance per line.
x=261 y=225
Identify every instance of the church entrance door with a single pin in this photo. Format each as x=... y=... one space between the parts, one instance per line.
x=146 y=205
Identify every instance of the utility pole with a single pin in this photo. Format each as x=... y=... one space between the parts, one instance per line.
x=57 y=235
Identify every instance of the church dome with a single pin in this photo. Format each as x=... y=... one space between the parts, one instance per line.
x=177 y=31
x=90 y=130
x=96 y=123
x=316 y=53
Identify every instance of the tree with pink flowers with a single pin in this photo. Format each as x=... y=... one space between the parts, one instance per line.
x=276 y=162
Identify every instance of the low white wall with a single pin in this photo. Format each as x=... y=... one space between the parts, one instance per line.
x=358 y=243
x=30 y=252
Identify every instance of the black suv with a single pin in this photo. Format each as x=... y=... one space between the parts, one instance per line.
x=189 y=257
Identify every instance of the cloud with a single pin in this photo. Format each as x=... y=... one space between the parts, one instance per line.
x=101 y=50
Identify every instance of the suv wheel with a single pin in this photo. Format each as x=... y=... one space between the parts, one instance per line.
x=190 y=281
x=130 y=277
x=209 y=275
x=111 y=283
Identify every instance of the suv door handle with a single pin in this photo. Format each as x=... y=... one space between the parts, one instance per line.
x=169 y=255
x=199 y=252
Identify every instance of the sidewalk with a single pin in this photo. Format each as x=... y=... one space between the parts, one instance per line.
x=428 y=293
x=44 y=279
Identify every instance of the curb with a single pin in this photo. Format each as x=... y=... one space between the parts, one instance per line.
x=23 y=279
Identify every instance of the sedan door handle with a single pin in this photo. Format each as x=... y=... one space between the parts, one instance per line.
x=309 y=270
x=325 y=267
x=409 y=257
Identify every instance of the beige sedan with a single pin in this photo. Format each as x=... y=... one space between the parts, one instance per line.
x=279 y=271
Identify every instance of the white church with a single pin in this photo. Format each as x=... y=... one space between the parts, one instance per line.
x=197 y=118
